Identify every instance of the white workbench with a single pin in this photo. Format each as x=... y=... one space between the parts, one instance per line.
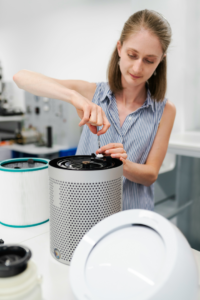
x=55 y=275
x=185 y=143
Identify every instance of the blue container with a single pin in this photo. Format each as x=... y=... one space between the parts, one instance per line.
x=67 y=152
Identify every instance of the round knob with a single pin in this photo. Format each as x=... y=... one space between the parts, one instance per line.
x=30 y=162
x=86 y=164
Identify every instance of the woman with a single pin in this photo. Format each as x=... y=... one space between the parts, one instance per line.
x=137 y=119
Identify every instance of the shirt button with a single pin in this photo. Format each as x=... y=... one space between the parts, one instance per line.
x=130 y=118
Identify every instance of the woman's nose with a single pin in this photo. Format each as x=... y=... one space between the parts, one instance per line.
x=137 y=66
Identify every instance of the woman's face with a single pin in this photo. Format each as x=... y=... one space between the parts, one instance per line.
x=139 y=55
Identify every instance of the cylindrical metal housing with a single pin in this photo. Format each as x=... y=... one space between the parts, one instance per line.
x=80 y=197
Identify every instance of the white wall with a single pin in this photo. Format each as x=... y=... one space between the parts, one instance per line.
x=183 y=57
x=62 y=39
x=75 y=38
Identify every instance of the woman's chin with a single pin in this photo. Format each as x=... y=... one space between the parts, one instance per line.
x=134 y=83
x=128 y=81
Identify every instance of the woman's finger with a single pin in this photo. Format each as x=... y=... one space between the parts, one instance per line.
x=92 y=128
x=93 y=116
x=123 y=160
x=106 y=125
x=99 y=116
x=116 y=150
x=119 y=155
x=86 y=116
x=110 y=146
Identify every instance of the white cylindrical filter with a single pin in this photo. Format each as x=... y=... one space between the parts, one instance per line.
x=83 y=191
x=24 y=197
x=19 y=279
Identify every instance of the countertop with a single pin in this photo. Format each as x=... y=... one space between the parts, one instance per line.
x=55 y=275
x=185 y=143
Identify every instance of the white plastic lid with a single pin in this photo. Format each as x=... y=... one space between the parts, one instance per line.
x=134 y=254
x=125 y=263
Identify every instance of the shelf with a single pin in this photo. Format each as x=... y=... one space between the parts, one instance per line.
x=32 y=149
x=11 y=118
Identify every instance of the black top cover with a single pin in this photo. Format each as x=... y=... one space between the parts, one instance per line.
x=85 y=162
x=13 y=260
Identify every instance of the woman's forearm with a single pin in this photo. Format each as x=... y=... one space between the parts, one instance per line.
x=43 y=86
x=139 y=173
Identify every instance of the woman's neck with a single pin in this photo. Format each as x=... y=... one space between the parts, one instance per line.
x=132 y=95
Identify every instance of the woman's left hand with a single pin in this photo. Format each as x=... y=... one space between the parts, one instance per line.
x=115 y=150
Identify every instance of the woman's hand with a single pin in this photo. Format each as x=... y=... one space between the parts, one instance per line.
x=115 y=150
x=91 y=114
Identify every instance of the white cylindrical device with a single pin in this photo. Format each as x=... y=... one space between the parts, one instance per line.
x=19 y=279
x=24 y=200
x=83 y=191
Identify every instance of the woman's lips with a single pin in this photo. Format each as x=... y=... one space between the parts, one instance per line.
x=135 y=76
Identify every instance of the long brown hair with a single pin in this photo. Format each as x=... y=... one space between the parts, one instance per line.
x=156 y=24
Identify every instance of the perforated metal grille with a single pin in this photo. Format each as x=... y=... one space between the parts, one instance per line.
x=82 y=205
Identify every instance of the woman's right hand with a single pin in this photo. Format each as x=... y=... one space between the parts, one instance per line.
x=91 y=114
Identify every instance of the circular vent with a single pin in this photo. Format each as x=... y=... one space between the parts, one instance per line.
x=85 y=162
x=23 y=164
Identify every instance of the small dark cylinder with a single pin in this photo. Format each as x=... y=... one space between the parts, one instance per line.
x=49 y=137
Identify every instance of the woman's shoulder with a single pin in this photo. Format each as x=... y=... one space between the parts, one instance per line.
x=165 y=110
x=102 y=90
x=170 y=107
x=165 y=104
x=164 y=107
x=103 y=85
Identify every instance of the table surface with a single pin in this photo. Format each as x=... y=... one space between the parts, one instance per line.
x=185 y=143
x=55 y=275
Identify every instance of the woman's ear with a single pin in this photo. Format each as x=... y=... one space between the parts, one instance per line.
x=164 y=55
x=119 y=46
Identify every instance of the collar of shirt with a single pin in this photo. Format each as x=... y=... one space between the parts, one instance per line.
x=109 y=94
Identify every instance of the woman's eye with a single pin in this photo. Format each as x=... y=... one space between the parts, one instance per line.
x=132 y=56
x=135 y=56
x=149 y=62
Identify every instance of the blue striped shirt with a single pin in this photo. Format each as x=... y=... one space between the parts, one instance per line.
x=136 y=134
